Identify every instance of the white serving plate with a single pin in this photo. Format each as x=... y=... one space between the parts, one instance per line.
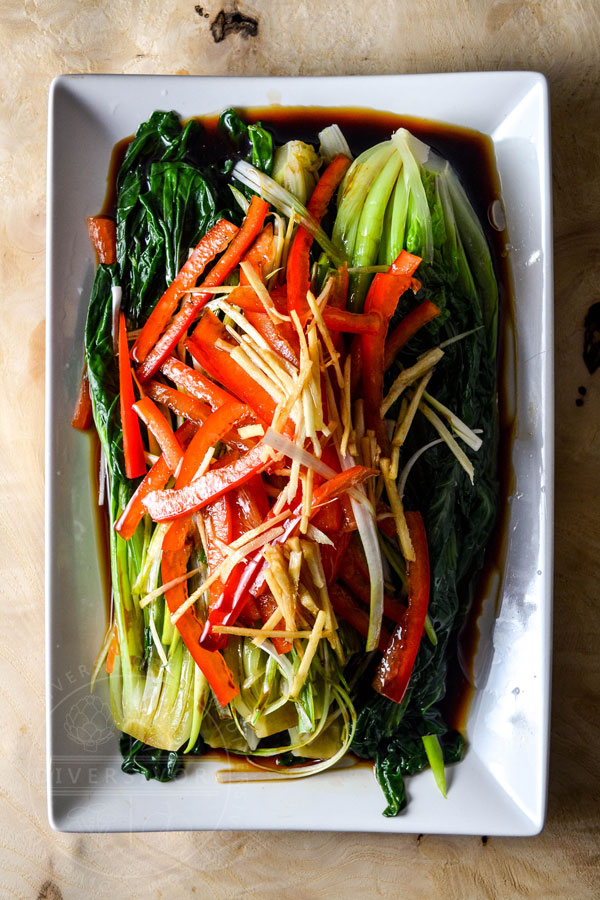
x=500 y=787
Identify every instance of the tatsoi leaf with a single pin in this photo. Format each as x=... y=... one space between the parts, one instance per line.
x=160 y=138
x=155 y=229
x=140 y=758
x=103 y=373
x=253 y=142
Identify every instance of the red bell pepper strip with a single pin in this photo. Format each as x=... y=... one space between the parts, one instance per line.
x=395 y=668
x=154 y=420
x=298 y=264
x=82 y=415
x=407 y=328
x=405 y=264
x=249 y=507
x=206 y=346
x=346 y=607
x=113 y=651
x=338 y=295
x=267 y=605
x=356 y=366
x=103 y=235
x=382 y=299
x=385 y=520
x=329 y=518
x=338 y=485
x=337 y=299
x=281 y=336
x=352 y=323
x=332 y=558
x=189 y=311
x=261 y=254
x=182 y=404
x=348 y=520
x=156 y=479
x=195 y=383
x=133 y=449
x=246 y=298
x=214 y=429
x=355 y=575
x=164 y=505
x=214 y=242
x=175 y=555
x=218 y=523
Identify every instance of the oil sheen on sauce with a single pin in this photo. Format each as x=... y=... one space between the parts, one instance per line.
x=471 y=154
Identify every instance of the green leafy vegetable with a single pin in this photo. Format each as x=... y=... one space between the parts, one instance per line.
x=140 y=758
x=252 y=142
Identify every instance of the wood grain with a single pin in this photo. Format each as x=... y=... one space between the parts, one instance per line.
x=41 y=39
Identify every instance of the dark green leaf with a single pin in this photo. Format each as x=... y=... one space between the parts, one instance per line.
x=141 y=759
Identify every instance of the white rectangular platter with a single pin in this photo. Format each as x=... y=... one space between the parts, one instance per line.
x=500 y=787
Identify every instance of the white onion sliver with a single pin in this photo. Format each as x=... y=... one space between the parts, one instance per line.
x=367 y=528
x=102 y=477
x=284 y=445
x=286 y=203
x=406 y=470
x=117 y=296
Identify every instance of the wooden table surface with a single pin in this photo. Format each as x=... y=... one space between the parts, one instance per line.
x=41 y=39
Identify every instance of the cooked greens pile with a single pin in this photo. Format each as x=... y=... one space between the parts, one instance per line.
x=176 y=182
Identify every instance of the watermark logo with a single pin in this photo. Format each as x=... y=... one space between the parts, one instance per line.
x=88 y=722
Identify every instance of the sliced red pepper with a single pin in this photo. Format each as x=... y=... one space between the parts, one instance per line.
x=348 y=520
x=189 y=311
x=113 y=651
x=260 y=255
x=133 y=449
x=407 y=328
x=175 y=555
x=214 y=429
x=218 y=523
x=393 y=673
x=355 y=575
x=195 y=383
x=346 y=607
x=249 y=507
x=267 y=605
x=214 y=242
x=338 y=295
x=329 y=518
x=82 y=416
x=103 y=235
x=405 y=264
x=332 y=558
x=246 y=298
x=356 y=365
x=337 y=299
x=182 y=404
x=382 y=299
x=164 y=505
x=207 y=346
x=338 y=485
x=281 y=336
x=155 y=480
x=298 y=264
x=351 y=323
x=154 y=420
